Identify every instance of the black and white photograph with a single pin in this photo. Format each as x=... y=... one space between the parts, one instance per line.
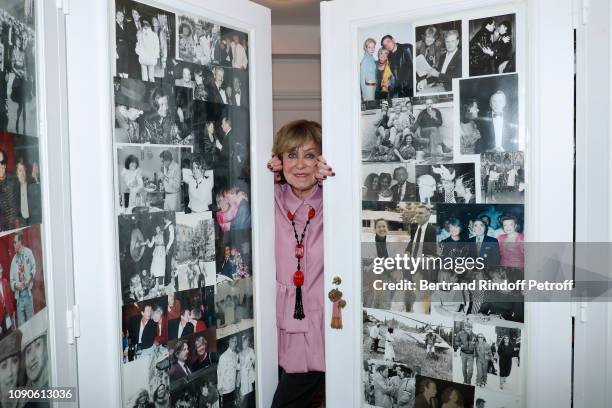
x=150 y=179
x=446 y=183
x=499 y=307
x=144 y=40
x=191 y=354
x=498 y=228
x=433 y=392
x=383 y=222
x=437 y=56
x=199 y=390
x=198 y=183
x=233 y=256
x=487 y=357
x=145 y=381
x=193 y=265
x=416 y=340
x=190 y=312
x=236 y=370
x=237 y=48
x=502 y=177
x=388 y=384
x=390 y=182
x=388 y=132
x=489 y=114
x=145 y=329
x=152 y=113
x=196 y=39
x=234 y=306
x=493 y=45
x=433 y=129
x=147 y=243
x=20 y=182
x=386 y=62
x=485 y=398
x=222 y=137
x=18 y=81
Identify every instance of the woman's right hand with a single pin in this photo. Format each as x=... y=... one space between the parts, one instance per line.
x=275 y=165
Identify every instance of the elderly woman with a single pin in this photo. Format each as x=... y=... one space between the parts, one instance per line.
x=300 y=169
x=367 y=78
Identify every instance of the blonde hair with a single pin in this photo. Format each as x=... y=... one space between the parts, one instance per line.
x=295 y=134
x=366 y=42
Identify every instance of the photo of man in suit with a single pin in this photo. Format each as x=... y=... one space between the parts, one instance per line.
x=404 y=190
x=216 y=91
x=179 y=368
x=142 y=329
x=422 y=233
x=182 y=326
x=449 y=65
x=483 y=245
x=498 y=132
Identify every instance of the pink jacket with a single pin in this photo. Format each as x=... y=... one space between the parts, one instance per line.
x=301 y=344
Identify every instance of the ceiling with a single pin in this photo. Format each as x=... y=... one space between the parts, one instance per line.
x=293 y=12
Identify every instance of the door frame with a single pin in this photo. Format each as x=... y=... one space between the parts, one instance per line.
x=94 y=219
x=549 y=157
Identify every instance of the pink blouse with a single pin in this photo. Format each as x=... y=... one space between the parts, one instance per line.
x=512 y=253
x=301 y=344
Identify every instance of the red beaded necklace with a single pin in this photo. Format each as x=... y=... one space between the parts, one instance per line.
x=298 y=276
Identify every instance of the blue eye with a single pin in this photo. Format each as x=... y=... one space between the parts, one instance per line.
x=310 y=156
x=292 y=155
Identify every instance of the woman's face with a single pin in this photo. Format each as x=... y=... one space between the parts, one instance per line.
x=384 y=183
x=453 y=397
x=201 y=348
x=197 y=171
x=198 y=79
x=502 y=29
x=157 y=229
x=135 y=15
x=300 y=166
x=119 y=16
x=234 y=251
x=210 y=127
x=227 y=251
x=473 y=111
x=506 y=340
x=21 y=173
x=9 y=370
x=374 y=185
x=381 y=228
x=383 y=56
x=509 y=226
x=429 y=40
x=133 y=114
x=455 y=230
x=186 y=74
x=162 y=110
x=133 y=165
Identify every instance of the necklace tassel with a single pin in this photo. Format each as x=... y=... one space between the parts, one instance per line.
x=298 y=312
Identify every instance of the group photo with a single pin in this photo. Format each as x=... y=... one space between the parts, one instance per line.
x=434 y=392
x=386 y=66
x=144 y=328
x=20 y=182
x=447 y=183
x=236 y=370
x=199 y=390
x=388 y=384
x=438 y=57
x=146 y=380
x=489 y=115
x=416 y=340
x=190 y=355
x=150 y=179
x=493 y=45
x=383 y=223
x=502 y=177
x=144 y=40
x=388 y=182
x=234 y=256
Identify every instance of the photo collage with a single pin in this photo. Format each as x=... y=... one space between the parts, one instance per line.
x=25 y=360
x=443 y=175
x=183 y=191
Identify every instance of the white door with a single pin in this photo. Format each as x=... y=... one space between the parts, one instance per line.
x=542 y=35
x=92 y=54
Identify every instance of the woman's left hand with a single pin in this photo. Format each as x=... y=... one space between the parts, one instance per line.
x=323 y=170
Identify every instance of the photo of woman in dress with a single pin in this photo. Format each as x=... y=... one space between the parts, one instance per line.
x=158 y=263
x=132 y=177
x=389 y=351
x=368 y=71
x=148 y=51
x=469 y=130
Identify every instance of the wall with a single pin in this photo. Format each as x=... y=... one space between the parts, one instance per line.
x=296 y=73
